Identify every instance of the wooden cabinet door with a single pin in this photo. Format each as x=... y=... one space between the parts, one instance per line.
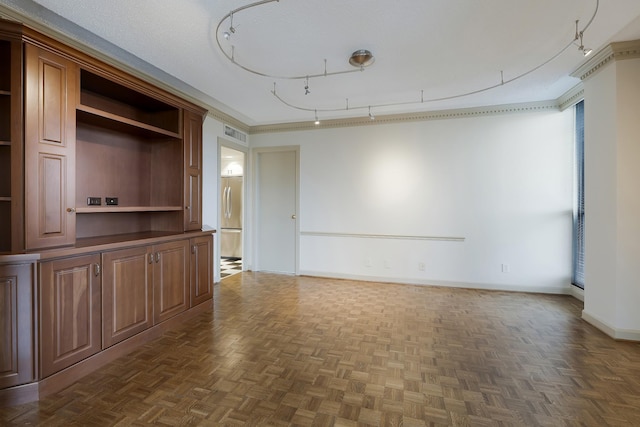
x=69 y=312
x=170 y=279
x=201 y=283
x=16 y=325
x=192 y=171
x=127 y=293
x=50 y=108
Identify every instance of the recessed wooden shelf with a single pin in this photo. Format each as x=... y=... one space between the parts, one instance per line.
x=94 y=116
x=120 y=238
x=5 y=93
x=5 y=143
x=5 y=199
x=115 y=209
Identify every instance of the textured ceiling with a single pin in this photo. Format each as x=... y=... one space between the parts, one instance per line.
x=424 y=49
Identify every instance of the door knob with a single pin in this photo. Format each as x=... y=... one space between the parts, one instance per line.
x=293 y=216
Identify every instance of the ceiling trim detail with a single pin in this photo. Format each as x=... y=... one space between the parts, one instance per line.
x=55 y=26
x=613 y=52
x=410 y=117
x=571 y=97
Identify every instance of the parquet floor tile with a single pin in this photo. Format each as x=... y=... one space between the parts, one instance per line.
x=299 y=351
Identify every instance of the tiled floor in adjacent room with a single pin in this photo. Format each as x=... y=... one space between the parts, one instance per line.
x=229 y=266
x=285 y=350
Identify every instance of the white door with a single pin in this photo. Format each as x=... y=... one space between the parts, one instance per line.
x=277 y=193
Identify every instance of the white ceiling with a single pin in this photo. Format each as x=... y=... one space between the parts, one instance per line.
x=424 y=49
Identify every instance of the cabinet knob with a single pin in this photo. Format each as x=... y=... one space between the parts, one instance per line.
x=71 y=210
x=187 y=207
x=97 y=269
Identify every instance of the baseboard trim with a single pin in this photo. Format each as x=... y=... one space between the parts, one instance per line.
x=444 y=283
x=615 y=333
x=576 y=292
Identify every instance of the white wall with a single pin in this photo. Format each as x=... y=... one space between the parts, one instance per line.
x=503 y=183
x=212 y=131
x=612 y=200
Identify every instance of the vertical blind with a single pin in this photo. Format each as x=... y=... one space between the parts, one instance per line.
x=578 y=210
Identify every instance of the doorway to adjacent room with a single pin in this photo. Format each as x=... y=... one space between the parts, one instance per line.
x=231 y=203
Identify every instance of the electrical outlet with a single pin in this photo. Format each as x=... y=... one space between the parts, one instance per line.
x=506 y=268
x=111 y=201
x=94 y=201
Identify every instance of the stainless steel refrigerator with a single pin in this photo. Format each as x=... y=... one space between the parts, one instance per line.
x=231 y=217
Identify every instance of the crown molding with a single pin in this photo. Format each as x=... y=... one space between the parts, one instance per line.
x=571 y=97
x=617 y=51
x=105 y=51
x=409 y=117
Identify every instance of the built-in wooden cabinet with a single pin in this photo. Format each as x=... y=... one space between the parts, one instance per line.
x=11 y=147
x=101 y=189
x=104 y=154
x=201 y=281
x=143 y=286
x=170 y=279
x=50 y=90
x=70 y=312
x=16 y=324
x=192 y=171
x=129 y=148
x=127 y=293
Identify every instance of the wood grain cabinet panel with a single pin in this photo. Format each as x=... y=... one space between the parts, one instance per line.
x=127 y=293
x=69 y=312
x=171 y=278
x=201 y=280
x=50 y=105
x=193 y=171
x=16 y=325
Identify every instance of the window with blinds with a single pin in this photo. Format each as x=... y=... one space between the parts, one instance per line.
x=578 y=209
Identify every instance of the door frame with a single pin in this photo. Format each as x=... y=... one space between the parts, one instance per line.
x=255 y=153
x=222 y=142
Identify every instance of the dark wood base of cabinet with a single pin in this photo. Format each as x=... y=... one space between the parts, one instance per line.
x=34 y=391
x=18 y=395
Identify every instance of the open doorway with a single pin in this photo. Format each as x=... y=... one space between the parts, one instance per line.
x=232 y=184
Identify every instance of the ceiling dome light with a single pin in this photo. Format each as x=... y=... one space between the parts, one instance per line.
x=361 y=58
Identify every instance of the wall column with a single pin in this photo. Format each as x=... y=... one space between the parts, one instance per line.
x=612 y=190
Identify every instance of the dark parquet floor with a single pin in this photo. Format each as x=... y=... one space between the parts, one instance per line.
x=281 y=350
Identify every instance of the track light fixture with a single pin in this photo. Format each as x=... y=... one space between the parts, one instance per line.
x=585 y=50
x=232 y=30
x=362 y=58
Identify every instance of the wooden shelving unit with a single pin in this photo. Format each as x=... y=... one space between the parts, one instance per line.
x=129 y=146
x=73 y=127
x=7 y=152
